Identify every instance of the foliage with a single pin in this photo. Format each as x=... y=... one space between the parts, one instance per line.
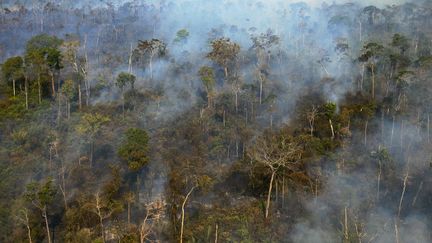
x=181 y=36
x=124 y=79
x=207 y=77
x=12 y=69
x=279 y=146
x=42 y=194
x=68 y=89
x=134 y=149
x=91 y=124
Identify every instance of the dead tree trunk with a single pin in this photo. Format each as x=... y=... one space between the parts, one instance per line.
x=216 y=233
x=365 y=132
x=99 y=213
x=79 y=97
x=52 y=85
x=373 y=81
x=39 y=89
x=45 y=216
x=379 y=180
x=183 y=214
x=403 y=194
x=269 y=193
x=14 y=90
x=26 y=93
x=26 y=222
x=332 y=129
x=417 y=193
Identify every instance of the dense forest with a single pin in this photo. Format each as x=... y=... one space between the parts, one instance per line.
x=215 y=121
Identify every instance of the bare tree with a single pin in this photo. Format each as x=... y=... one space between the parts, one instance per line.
x=183 y=213
x=154 y=212
x=276 y=153
x=224 y=53
x=40 y=196
x=150 y=49
x=23 y=217
x=102 y=208
x=263 y=44
x=311 y=115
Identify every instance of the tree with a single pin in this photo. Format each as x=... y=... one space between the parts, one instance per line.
x=35 y=65
x=134 y=149
x=181 y=36
x=103 y=209
x=43 y=41
x=329 y=111
x=90 y=126
x=41 y=195
x=53 y=59
x=236 y=85
x=208 y=79
x=151 y=49
x=122 y=80
x=224 y=52
x=68 y=90
x=263 y=44
x=401 y=42
x=370 y=55
x=382 y=155
x=22 y=215
x=371 y=13
x=366 y=111
x=152 y=216
x=129 y=198
x=42 y=52
x=79 y=66
x=311 y=116
x=323 y=59
x=104 y=203
x=13 y=70
x=276 y=152
x=183 y=212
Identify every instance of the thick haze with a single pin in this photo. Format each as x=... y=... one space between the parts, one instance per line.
x=304 y=58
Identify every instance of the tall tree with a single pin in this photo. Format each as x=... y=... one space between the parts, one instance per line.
x=208 y=79
x=41 y=196
x=276 y=152
x=43 y=54
x=263 y=45
x=124 y=79
x=68 y=90
x=224 y=52
x=182 y=36
x=400 y=41
x=370 y=55
x=35 y=66
x=53 y=59
x=104 y=203
x=13 y=70
x=329 y=111
x=134 y=149
x=70 y=52
x=90 y=127
x=150 y=49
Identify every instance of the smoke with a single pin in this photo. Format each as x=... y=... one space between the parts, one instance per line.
x=305 y=57
x=352 y=206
